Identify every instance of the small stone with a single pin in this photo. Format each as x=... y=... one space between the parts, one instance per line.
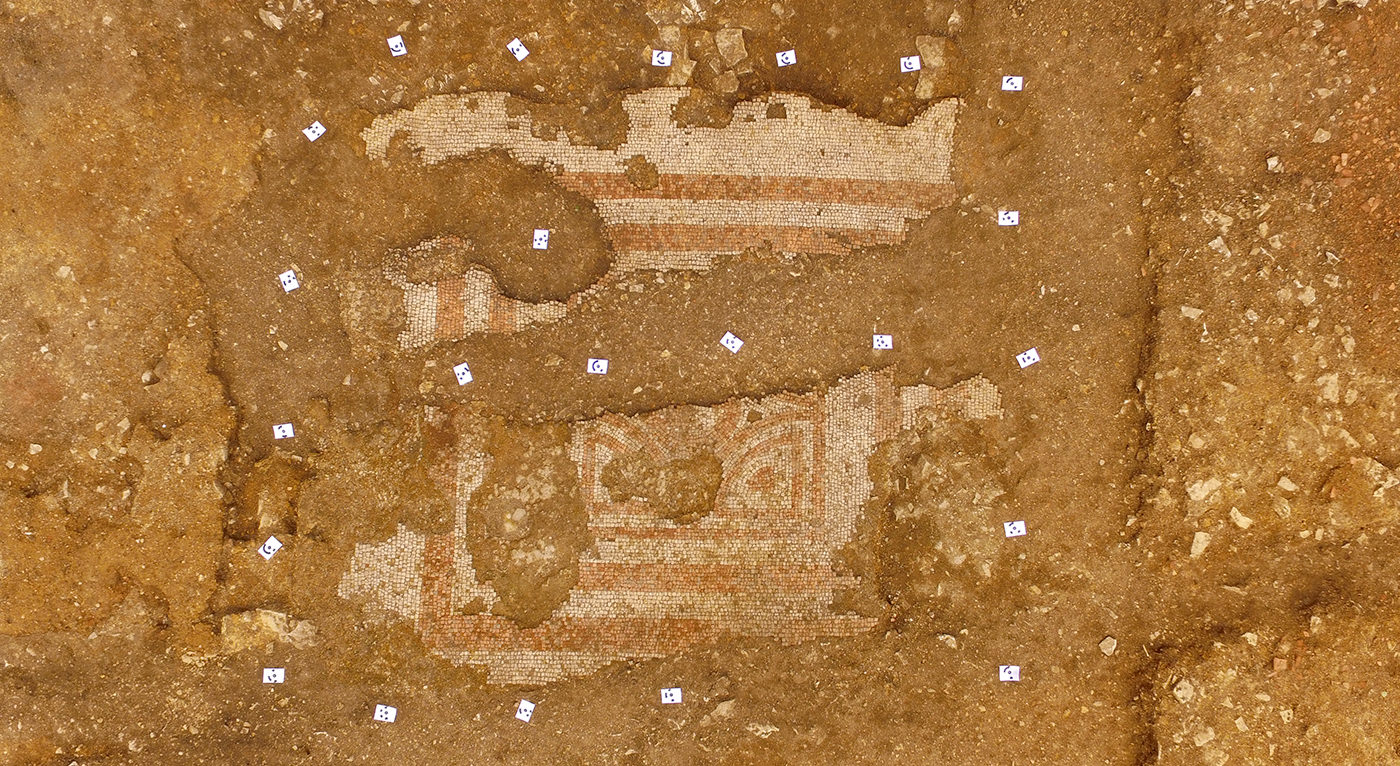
x=727 y=82
x=272 y=20
x=35 y=449
x=1242 y=521
x=1191 y=312
x=1251 y=638
x=730 y=43
x=1286 y=484
x=1280 y=664
x=1274 y=164
x=1203 y=736
x=1184 y=691
x=1200 y=490
x=1108 y=646
x=1199 y=543
x=1322 y=136
x=722 y=711
x=1219 y=246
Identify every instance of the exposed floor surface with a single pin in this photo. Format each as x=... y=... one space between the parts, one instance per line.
x=806 y=533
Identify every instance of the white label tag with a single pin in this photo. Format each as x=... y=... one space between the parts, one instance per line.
x=315 y=131
x=1009 y=673
x=1027 y=358
x=396 y=46
x=883 y=342
x=463 y=373
x=274 y=675
x=1008 y=217
x=283 y=431
x=660 y=58
x=525 y=710
x=731 y=342
x=910 y=64
x=671 y=696
x=289 y=281
x=270 y=547
x=517 y=49
x=598 y=366
x=385 y=713
x=541 y=239
x=787 y=58
x=1014 y=528
x=1011 y=82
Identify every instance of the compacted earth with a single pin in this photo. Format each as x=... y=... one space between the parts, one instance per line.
x=276 y=274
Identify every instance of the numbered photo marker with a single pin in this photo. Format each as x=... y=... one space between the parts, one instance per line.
x=1009 y=673
x=525 y=710
x=385 y=713
x=517 y=49
x=315 y=131
x=1027 y=358
x=270 y=547
x=671 y=696
x=283 y=431
x=598 y=366
x=910 y=64
x=1008 y=218
x=787 y=58
x=396 y=46
x=882 y=342
x=1010 y=82
x=541 y=239
x=463 y=373
x=660 y=58
x=274 y=675
x=731 y=342
x=289 y=281
x=1014 y=528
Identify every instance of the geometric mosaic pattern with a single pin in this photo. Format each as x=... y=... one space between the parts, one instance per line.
x=785 y=173
x=763 y=563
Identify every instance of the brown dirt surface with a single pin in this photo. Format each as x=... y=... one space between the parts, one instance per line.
x=805 y=535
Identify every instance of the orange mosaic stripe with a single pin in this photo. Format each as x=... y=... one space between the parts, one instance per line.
x=702 y=578
x=735 y=238
x=451 y=309
x=792 y=188
x=595 y=635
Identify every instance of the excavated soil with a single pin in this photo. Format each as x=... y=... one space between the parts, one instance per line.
x=805 y=536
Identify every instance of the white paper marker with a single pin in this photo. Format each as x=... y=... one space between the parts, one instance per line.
x=463 y=373
x=731 y=342
x=274 y=675
x=1011 y=82
x=315 y=131
x=787 y=58
x=882 y=342
x=267 y=549
x=910 y=64
x=289 y=281
x=525 y=710
x=283 y=431
x=396 y=46
x=671 y=696
x=1014 y=528
x=1027 y=358
x=385 y=713
x=598 y=366
x=540 y=241
x=1009 y=672
x=517 y=49
x=1008 y=218
x=660 y=58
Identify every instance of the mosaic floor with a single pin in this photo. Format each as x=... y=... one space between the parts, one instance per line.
x=764 y=563
x=786 y=173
